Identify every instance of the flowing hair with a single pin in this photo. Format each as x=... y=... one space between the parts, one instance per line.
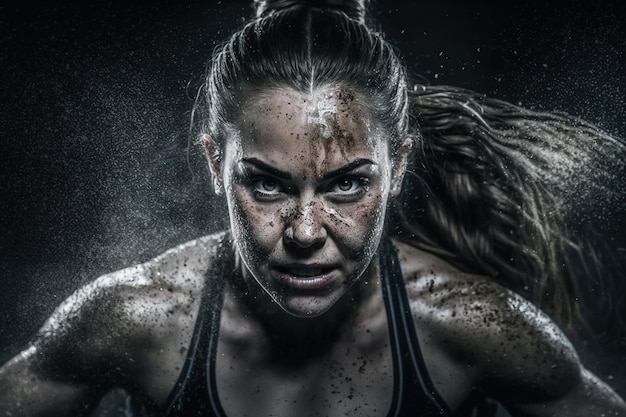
x=490 y=180
x=493 y=184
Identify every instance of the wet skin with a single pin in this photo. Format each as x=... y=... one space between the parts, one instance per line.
x=307 y=179
x=303 y=329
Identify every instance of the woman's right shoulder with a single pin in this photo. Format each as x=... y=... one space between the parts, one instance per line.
x=108 y=322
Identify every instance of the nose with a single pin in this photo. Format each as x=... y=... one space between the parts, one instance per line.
x=306 y=229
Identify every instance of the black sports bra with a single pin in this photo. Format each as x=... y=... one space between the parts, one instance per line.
x=195 y=393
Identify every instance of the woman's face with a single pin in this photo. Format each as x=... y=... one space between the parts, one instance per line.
x=307 y=177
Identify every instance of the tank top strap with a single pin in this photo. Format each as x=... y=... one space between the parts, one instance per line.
x=195 y=392
x=194 y=381
x=414 y=392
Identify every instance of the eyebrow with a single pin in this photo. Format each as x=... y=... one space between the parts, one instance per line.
x=287 y=176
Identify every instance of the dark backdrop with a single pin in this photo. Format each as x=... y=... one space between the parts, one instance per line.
x=95 y=102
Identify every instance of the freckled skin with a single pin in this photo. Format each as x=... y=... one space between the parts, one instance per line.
x=286 y=352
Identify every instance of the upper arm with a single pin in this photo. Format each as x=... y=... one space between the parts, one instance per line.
x=521 y=354
x=518 y=355
x=75 y=357
x=24 y=391
x=505 y=345
x=588 y=397
x=127 y=330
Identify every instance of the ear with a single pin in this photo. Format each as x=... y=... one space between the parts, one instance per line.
x=398 y=169
x=214 y=165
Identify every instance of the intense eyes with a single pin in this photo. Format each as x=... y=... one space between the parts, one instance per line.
x=347 y=185
x=268 y=185
x=344 y=189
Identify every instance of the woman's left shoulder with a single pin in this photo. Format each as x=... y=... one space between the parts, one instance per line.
x=503 y=338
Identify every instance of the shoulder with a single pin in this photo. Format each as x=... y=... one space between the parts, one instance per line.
x=507 y=344
x=107 y=324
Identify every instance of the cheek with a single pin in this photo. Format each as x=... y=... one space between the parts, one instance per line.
x=358 y=228
x=257 y=228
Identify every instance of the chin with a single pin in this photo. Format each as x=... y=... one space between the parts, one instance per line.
x=308 y=307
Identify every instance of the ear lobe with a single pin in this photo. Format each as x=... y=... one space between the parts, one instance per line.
x=399 y=166
x=214 y=165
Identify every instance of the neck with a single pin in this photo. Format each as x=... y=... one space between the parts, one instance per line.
x=291 y=336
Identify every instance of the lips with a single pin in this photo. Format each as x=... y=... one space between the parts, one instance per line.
x=303 y=271
x=304 y=277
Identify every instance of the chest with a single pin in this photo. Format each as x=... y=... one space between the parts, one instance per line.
x=353 y=376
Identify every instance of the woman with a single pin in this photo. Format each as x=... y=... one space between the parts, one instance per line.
x=328 y=297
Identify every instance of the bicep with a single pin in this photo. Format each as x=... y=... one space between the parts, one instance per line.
x=590 y=397
x=73 y=361
x=523 y=356
x=517 y=353
x=25 y=391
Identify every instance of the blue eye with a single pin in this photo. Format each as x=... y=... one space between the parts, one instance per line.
x=346 y=185
x=348 y=188
x=267 y=185
x=267 y=189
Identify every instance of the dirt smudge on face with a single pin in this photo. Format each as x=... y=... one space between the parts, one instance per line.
x=340 y=126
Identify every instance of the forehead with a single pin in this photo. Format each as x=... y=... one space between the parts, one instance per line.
x=329 y=123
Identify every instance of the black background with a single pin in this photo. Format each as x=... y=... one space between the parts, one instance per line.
x=95 y=102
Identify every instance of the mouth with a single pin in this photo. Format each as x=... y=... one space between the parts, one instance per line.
x=304 y=277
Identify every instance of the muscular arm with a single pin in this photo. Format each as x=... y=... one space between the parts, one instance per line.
x=588 y=397
x=128 y=329
x=539 y=373
x=77 y=354
x=24 y=392
x=505 y=346
x=526 y=362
